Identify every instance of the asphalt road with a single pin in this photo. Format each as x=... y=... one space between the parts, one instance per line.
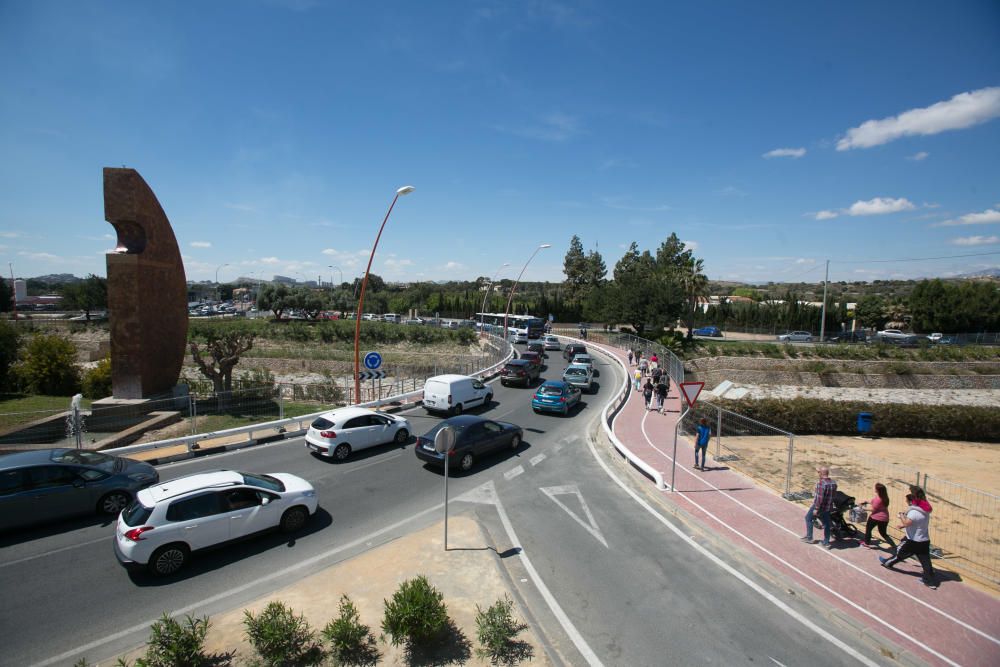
x=607 y=579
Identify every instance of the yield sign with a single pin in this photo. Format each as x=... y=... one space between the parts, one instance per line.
x=690 y=390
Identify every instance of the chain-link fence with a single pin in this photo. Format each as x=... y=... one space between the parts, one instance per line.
x=966 y=526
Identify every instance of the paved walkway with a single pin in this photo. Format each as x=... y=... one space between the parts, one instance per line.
x=956 y=624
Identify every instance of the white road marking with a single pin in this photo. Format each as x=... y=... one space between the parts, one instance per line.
x=571 y=489
x=729 y=568
x=381 y=459
x=511 y=474
x=487 y=494
x=535 y=460
x=831 y=554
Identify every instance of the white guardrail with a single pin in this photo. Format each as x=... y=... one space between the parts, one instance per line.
x=614 y=405
x=281 y=425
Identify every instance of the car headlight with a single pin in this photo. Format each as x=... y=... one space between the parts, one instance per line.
x=142 y=477
x=309 y=494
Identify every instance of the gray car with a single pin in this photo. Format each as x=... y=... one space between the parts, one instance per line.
x=46 y=484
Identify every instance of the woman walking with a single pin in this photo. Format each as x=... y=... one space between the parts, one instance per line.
x=647 y=392
x=879 y=517
x=661 y=396
x=915 y=521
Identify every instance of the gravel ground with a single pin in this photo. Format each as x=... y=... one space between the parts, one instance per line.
x=975 y=397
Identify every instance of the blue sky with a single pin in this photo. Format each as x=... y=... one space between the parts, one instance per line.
x=769 y=136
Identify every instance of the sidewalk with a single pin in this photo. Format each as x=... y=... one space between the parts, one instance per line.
x=957 y=624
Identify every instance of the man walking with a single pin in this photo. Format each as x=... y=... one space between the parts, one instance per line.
x=701 y=443
x=821 y=507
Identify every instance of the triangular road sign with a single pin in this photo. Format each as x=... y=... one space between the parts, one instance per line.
x=690 y=391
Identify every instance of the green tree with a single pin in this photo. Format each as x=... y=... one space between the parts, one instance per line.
x=308 y=301
x=224 y=349
x=575 y=269
x=870 y=311
x=6 y=296
x=48 y=366
x=274 y=297
x=10 y=340
x=87 y=295
x=694 y=285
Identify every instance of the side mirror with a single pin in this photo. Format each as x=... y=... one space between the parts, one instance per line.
x=266 y=500
x=79 y=482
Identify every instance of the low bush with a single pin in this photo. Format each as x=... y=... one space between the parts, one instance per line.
x=351 y=642
x=416 y=613
x=173 y=643
x=496 y=629
x=97 y=380
x=47 y=365
x=804 y=416
x=281 y=638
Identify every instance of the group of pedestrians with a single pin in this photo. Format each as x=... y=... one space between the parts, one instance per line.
x=657 y=382
x=914 y=522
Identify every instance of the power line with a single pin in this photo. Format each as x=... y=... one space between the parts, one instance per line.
x=910 y=259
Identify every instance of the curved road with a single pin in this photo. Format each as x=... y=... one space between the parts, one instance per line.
x=612 y=580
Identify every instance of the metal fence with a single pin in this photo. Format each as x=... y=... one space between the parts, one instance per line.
x=966 y=526
x=667 y=359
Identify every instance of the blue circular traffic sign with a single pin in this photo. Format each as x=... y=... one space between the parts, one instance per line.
x=373 y=360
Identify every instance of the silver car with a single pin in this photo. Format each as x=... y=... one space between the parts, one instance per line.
x=796 y=337
x=46 y=484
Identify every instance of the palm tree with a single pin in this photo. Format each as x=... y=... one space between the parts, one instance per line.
x=694 y=284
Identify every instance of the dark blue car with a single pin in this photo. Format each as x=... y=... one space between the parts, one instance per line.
x=555 y=396
x=713 y=332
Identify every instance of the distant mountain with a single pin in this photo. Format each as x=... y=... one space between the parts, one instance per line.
x=985 y=273
x=58 y=278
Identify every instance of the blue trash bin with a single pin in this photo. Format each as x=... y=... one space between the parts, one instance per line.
x=864 y=422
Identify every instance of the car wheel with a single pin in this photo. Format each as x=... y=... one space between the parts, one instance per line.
x=342 y=451
x=113 y=503
x=466 y=462
x=168 y=559
x=515 y=442
x=402 y=435
x=457 y=410
x=489 y=399
x=566 y=411
x=293 y=519
x=537 y=411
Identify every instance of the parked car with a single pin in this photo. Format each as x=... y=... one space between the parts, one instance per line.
x=796 y=337
x=539 y=347
x=520 y=372
x=414 y=321
x=169 y=521
x=338 y=433
x=583 y=360
x=475 y=437
x=47 y=484
x=857 y=336
x=534 y=358
x=573 y=349
x=555 y=396
x=552 y=343
x=714 y=332
x=935 y=337
x=454 y=393
x=579 y=376
x=896 y=337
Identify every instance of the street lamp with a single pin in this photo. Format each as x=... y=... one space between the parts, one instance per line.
x=405 y=190
x=218 y=292
x=330 y=266
x=489 y=288
x=512 y=289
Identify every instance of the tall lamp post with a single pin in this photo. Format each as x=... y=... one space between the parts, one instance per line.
x=514 y=288
x=330 y=266
x=405 y=190
x=218 y=292
x=482 y=310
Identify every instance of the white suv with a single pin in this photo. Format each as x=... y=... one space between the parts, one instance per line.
x=170 y=520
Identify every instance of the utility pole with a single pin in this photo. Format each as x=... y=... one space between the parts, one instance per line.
x=822 y=324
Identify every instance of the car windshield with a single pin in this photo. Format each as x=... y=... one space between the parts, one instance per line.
x=321 y=423
x=550 y=390
x=434 y=431
x=84 y=457
x=136 y=514
x=262 y=481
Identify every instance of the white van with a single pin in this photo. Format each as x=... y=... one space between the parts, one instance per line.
x=515 y=335
x=391 y=317
x=454 y=393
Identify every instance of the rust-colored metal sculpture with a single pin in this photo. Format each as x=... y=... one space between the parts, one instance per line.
x=147 y=290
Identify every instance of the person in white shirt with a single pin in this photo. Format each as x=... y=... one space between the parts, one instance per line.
x=915 y=521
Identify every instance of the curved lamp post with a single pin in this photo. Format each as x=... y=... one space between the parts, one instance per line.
x=405 y=190
x=218 y=292
x=489 y=288
x=514 y=288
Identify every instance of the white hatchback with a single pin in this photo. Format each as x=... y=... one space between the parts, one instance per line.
x=170 y=520
x=338 y=433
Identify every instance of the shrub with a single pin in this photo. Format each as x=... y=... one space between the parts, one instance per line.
x=281 y=638
x=10 y=340
x=48 y=366
x=175 y=644
x=351 y=642
x=416 y=613
x=97 y=380
x=496 y=629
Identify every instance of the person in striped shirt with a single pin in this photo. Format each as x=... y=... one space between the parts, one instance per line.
x=821 y=507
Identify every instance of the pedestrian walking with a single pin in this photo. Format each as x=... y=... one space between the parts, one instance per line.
x=915 y=521
x=879 y=517
x=644 y=365
x=630 y=357
x=821 y=507
x=661 y=396
x=647 y=392
x=701 y=443
x=637 y=377
x=655 y=373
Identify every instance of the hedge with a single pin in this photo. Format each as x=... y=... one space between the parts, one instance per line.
x=808 y=416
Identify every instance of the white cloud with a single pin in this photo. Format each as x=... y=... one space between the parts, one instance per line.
x=398 y=263
x=917 y=157
x=691 y=245
x=201 y=244
x=961 y=111
x=880 y=206
x=623 y=203
x=805 y=260
x=989 y=216
x=454 y=266
x=826 y=215
x=976 y=240
x=555 y=126
x=270 y=260
x=40 y=256
x=246 y=208
x=785 y=152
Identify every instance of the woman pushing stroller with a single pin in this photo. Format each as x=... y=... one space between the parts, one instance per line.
x=879 y=517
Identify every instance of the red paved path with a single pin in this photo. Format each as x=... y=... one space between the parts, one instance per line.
x=956 y=624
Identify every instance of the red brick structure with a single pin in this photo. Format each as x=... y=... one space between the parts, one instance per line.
x=147 y=290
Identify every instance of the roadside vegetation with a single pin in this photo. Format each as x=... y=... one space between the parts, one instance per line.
x=853 y=352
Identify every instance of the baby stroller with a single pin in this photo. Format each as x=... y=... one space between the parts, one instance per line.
x=844 y=511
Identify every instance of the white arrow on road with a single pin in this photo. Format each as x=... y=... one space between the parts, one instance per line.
x=571 y=489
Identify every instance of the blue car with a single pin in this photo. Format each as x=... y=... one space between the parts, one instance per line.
x=555 y=396
x=713 y=332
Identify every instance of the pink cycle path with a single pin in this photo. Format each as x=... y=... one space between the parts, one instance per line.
x=956 y=624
